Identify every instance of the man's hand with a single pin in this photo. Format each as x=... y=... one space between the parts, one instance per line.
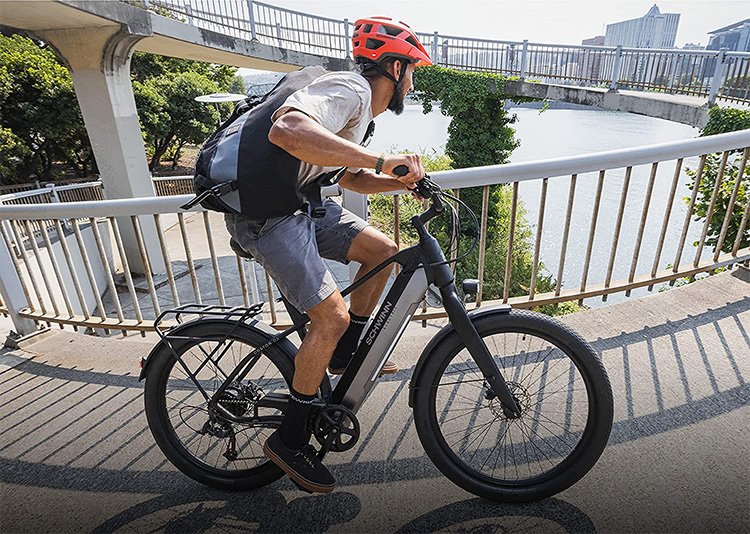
x=414 y=164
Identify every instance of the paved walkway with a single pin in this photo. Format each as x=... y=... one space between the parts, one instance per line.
x=76 y=455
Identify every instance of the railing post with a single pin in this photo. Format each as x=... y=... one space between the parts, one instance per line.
x=616 y=67
x=251 y=14
x=357 y=204
x=524 y=59
x=278 y=34
x=435 y=48
x=718 y=74
x=444 y=52
x=189 y=11
x=347 y=38
x=53 y=193
x=12 y=291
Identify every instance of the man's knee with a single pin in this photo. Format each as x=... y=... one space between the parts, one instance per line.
x=330 y=317
x=372 y=247
x=389 y=248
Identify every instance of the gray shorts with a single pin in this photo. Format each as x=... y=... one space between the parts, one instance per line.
x=291 y=249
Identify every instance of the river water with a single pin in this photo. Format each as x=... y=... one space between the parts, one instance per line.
x=567 y=131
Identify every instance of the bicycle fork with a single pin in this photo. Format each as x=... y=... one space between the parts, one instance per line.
x=441 y=275
x=479 y=352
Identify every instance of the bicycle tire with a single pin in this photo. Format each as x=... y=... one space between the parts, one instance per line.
x=159 y=373
x=580 y=357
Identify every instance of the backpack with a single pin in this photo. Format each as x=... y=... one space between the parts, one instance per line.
x=240 y=171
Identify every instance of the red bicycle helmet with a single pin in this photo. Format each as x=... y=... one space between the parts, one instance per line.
x=378 y=38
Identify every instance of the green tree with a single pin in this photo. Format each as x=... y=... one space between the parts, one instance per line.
x=481 y=133
x=38 y=107
x=170 y=117
x=237 y=86
x=165 y=89
x=723 y=120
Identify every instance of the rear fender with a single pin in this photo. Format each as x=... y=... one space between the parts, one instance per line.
x=263 y=329
x=442 y=336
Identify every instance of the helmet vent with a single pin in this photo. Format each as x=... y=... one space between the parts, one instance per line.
x=374 y=44
x=390 y=30
x=412 y=41
x=367 y=28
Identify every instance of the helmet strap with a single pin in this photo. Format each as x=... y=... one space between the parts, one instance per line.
x=384 y=72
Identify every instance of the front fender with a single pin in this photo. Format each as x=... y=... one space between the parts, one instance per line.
x=264 y=329
x=441 y=336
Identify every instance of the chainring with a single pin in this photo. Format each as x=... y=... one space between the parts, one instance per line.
x=336 y=428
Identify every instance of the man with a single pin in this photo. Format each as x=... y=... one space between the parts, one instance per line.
x=321 y=125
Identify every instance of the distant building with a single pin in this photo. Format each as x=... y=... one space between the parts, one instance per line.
x=654 y=30
x=693 y=46
x=735 y=37
x=594 y=41
x=589 y=67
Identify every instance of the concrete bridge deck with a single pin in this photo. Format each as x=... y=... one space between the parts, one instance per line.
x=76 y=455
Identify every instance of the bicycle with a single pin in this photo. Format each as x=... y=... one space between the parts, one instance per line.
x=509 y=405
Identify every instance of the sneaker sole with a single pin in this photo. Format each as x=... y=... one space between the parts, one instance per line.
x=306 y=484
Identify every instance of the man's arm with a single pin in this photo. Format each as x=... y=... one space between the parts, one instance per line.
x=306 y=140
x=369 y=183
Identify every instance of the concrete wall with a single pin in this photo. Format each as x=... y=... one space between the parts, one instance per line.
x=667 y=107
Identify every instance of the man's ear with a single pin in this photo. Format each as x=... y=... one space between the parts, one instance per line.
x=397 y=69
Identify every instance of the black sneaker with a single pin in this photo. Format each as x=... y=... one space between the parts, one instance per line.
x=302 y=466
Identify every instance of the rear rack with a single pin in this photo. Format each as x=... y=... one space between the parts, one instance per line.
x=202 y=310
x=189 y=312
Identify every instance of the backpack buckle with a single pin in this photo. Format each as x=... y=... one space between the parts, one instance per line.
x=318 y=212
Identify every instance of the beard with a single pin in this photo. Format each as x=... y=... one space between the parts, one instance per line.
x=396 y=105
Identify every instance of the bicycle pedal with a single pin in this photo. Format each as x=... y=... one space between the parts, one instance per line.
x=300 y=487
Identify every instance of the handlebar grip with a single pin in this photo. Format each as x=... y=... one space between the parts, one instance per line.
x=401 y=170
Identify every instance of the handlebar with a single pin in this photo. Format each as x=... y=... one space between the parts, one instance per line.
x=425 y=188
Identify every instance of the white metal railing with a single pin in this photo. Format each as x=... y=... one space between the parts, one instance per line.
x=52 y=193
x=75 y=269
x=708 y=73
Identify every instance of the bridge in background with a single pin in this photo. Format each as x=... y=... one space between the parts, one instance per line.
x=674 y=84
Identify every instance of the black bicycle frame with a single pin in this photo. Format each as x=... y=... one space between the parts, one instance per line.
x=422 y=264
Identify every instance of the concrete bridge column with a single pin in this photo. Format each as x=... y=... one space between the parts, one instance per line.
x=99 y=63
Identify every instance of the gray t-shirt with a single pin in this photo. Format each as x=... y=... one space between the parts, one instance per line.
x=341 y=103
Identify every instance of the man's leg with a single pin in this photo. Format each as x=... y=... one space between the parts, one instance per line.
x=370 y=248
x=328 y=321
x=287 y=447
x=287 y=249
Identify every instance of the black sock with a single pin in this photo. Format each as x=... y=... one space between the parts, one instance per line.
x=293 y=431
x=349 y=341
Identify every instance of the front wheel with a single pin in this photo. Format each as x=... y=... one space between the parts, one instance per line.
x=565 y=398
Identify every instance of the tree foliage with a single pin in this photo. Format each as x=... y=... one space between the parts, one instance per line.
x=480 y=133
x=39 y=115
x=165 y=89
x=723 y=120
x=41 y=125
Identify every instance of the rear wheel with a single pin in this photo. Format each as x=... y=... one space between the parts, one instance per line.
x=213 y=450
x=565 y=398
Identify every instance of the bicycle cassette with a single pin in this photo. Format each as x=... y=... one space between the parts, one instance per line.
x=336 y=428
